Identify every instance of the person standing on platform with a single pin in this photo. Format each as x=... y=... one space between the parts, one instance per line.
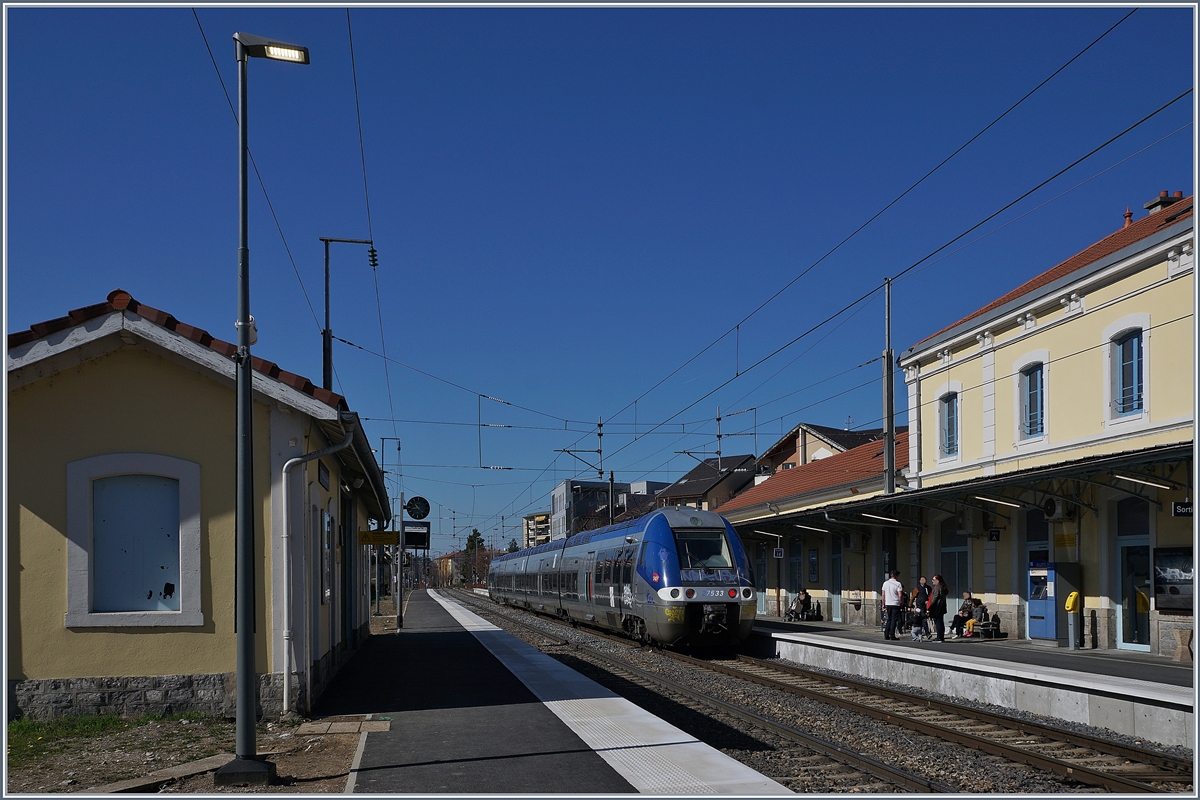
x=920 y=604
x=937 y=607
x=893 y=591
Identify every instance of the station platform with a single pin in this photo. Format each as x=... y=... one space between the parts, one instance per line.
x=474 y=710
x=1137 y=694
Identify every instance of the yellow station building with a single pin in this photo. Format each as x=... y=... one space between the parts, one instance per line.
x=1049 y=449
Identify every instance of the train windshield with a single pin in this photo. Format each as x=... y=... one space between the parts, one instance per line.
x=700 y=548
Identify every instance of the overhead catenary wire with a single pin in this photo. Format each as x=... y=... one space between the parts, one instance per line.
x=917 y=263
x=374 y=264
x=736 y=327
x=1006 y=112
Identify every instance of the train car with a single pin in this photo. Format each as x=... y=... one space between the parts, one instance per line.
x=675 y=576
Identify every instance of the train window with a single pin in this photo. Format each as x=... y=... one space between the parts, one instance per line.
x=608 y=565
x=626 y=564
x=642 y=555
x=702 y=548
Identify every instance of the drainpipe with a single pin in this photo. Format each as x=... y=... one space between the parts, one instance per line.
x=349 y=423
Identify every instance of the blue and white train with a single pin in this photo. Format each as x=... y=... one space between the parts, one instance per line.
x=674 y=576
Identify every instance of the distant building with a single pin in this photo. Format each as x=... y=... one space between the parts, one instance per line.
x=709 y=484
x=535 y=529
x=806 y=443
x=578 y=506
x=639 y=500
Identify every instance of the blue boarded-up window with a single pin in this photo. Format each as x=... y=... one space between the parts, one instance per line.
x=135 y=543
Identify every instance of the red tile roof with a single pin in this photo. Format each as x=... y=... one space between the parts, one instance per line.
x=120 y=300
x=1132 y=233
x=863 y=464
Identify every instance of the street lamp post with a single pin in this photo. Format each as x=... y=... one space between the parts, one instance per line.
x=247 y=768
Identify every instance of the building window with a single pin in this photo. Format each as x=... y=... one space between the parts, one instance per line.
x=948 y=408
x=133 y=541
x=1128 y=379
x=1033 y=401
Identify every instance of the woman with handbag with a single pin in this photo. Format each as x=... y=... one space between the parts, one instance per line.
x=937 y=607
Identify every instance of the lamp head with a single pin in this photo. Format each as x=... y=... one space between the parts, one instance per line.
x=258 y=47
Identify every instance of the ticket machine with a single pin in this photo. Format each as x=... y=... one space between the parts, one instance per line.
x=1050 y=582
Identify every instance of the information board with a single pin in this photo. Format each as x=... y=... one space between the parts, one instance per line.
x=416 y=535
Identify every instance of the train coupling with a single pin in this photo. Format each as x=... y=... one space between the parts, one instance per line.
x=714 y=618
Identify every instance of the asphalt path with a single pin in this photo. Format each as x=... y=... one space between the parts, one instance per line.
x=461 y=722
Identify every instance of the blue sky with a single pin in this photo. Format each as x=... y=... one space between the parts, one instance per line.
x=570 y=203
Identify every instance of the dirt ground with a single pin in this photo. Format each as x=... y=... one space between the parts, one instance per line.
x=306 y=764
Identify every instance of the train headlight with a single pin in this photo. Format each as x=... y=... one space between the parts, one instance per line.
x=674 y=593
x=746 y=593
x=690 y=593
x=733 y=592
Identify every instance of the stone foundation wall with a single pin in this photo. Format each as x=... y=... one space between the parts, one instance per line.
x=134 y=696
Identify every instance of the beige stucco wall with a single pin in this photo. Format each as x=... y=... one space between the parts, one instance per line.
x=129 y=400
x=1076 y=377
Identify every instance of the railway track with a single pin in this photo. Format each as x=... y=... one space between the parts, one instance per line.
x=1086 y=759
x=824 y=762
x=1077 y=758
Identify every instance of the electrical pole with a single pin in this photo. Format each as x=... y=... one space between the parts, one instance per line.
x=327 y=333
x=889 y=430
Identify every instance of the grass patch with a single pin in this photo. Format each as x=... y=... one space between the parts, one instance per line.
x=30 y=739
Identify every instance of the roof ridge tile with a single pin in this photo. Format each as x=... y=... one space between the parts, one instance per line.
x=121 y=300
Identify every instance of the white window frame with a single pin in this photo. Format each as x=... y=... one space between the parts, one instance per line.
x=1020 y=439
x=1113 y=332
x=955 y=388
x=80 y=475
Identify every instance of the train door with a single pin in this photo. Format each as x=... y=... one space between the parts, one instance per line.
x=625 y=562
x=588 y=580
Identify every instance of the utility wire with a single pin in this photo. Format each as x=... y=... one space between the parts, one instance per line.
x=1058 y=196
x=258 y=175
x=1065 y=169
x=913 y=266
x=448 y=382
x=362 y=150
x=860 y=228
x=855 y=232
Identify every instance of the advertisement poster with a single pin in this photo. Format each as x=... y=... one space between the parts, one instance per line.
x=1174 y=571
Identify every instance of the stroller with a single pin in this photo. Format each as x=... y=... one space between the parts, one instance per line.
x=802 y=609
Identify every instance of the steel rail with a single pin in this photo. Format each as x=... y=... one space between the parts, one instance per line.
x=871 y=766
x=1181 y=766
x=1076 y=772
x=878 y=769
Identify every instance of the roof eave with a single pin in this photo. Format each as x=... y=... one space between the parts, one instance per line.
x=973 y=324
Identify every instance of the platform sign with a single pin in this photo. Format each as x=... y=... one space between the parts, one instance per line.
x=1181 y=509
x=416 y=535
x=378 y=537
x=779 y=552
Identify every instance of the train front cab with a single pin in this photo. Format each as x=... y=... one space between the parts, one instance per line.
x=699 y=587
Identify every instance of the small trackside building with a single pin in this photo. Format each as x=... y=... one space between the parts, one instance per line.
x=120 y=521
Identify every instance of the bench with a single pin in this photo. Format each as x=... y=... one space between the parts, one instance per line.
x=989 y=629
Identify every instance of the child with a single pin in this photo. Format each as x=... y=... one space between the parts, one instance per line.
x=978 y=614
